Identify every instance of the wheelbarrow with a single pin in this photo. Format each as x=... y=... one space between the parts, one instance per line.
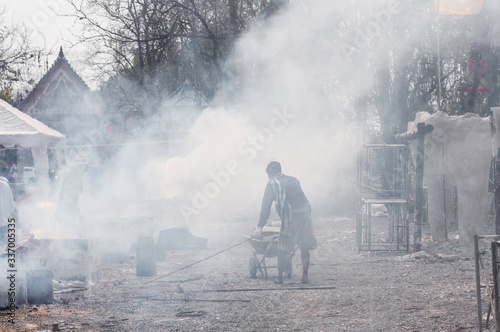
x=266 y=247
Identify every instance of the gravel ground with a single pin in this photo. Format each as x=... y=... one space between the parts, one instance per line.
x=349 y=291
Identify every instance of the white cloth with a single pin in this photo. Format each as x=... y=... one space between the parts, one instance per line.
x=257 y=233
x=41 y=163
x=7 y=204
x=283 y=207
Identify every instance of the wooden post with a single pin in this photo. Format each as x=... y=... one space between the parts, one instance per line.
x=496 y=190
x=419 y=194
x=478 y=283
x=494 y=295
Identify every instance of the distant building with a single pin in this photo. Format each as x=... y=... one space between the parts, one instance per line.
x=179 y=111
x=63 y=101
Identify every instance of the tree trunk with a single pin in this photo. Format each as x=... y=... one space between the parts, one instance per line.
x=233 y=22
x=399 y=104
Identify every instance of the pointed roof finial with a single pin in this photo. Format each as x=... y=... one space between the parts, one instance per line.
x=61 y=55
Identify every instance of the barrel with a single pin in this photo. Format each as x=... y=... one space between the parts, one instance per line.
x=145 y=257
x=39 y=286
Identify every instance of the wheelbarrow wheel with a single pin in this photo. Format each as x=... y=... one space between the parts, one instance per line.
x=253 y=264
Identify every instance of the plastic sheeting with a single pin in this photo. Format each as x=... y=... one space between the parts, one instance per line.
x=457 y=152
x=18 y=128
x=7 y=204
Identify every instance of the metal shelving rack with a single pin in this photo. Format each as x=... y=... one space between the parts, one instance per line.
x=383 y=180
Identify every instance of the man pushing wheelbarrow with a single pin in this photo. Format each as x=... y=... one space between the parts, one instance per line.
x=294 y=211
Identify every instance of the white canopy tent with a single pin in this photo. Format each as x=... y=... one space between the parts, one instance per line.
x=18 y=129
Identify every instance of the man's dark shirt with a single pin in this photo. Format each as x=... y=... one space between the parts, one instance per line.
x=294 y=196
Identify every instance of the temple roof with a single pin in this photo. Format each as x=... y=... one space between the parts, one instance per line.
x=187 y=95
x=60 y=66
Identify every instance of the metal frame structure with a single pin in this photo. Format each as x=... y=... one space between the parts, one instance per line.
x=488 y=281
x=383 y=179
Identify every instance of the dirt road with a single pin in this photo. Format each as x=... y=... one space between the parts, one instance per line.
x=349 y=291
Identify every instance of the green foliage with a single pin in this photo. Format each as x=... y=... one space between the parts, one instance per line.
x=6 y=94
x=403 y=64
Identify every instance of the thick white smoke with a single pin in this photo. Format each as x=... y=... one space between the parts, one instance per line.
x=292 y=81
x=292 y=91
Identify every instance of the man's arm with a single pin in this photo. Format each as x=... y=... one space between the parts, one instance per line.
x=267 y=203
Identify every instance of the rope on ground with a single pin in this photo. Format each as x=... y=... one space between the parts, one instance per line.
x=262 y=289
x=204 y=259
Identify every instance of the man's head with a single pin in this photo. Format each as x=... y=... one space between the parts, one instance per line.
x=273 y=168
x=4 y=172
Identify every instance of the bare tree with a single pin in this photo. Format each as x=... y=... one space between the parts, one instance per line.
x=18 y=58
x=157 y=44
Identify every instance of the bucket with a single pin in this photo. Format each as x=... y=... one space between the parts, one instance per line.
x=145 y=257
x=4 y=283
x=12 y=291
x=39 y=287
